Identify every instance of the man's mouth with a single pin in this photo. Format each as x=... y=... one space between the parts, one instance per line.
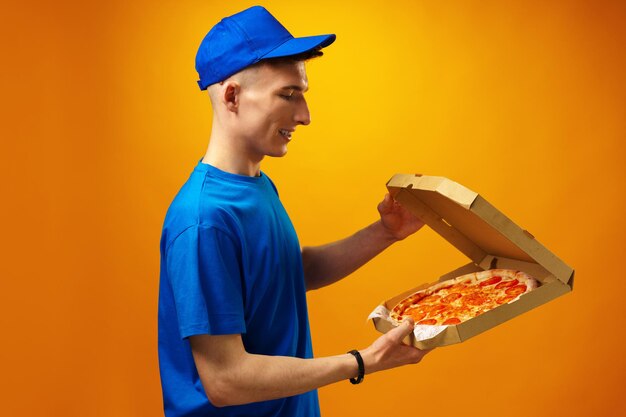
x=285 y=133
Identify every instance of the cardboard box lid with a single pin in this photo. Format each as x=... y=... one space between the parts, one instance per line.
x=471 y=224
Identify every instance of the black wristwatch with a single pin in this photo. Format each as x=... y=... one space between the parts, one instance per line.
x=361 y=374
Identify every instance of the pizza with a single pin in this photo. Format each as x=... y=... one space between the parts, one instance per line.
x=459 y=299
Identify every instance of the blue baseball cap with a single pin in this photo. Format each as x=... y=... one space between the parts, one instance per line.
x=246 y=38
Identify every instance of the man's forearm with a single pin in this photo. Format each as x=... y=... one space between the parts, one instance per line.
x=232 y=376
x=261 y=378
x=326 y=264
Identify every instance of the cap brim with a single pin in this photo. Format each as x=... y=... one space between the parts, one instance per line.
x=297 y=46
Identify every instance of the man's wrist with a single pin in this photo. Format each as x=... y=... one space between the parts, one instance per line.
x=360 y=366
x=383 y=234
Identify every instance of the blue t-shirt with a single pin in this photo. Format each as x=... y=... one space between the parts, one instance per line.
x=230 y=264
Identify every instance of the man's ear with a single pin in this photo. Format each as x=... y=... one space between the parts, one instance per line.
x=230 y=95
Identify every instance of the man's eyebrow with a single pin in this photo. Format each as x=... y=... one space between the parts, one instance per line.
x=295 y=87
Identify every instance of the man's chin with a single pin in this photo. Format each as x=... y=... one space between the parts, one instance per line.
x=279 y=153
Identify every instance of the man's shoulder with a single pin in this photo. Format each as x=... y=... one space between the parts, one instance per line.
x=200 y=203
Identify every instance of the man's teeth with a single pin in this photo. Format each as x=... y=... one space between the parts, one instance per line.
x=285 y=133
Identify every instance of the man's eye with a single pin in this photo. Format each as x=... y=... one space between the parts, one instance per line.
x=286 y=97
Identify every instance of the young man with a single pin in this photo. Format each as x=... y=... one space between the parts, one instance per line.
x=234 y=336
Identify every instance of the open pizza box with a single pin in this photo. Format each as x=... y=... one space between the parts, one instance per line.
x=488 y=238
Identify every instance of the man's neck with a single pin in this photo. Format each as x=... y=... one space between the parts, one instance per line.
x=224 y=156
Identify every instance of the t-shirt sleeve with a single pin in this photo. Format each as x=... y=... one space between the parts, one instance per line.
x=203 y=267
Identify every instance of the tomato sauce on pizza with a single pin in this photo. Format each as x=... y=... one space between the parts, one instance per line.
x=459 y=299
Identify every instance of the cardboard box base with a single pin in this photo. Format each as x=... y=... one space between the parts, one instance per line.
x=549 y=289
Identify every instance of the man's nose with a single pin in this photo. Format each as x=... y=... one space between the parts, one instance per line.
x=302 y=116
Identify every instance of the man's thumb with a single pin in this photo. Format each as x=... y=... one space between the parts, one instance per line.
x=402 y=331
x=385 y=205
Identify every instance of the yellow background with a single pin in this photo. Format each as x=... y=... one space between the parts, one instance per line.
x=102 y=122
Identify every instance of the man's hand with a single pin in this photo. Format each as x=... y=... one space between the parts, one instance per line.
x=388 y=351
x=397 y=220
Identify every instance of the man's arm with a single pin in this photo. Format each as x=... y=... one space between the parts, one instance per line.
x=329 y=263
x=232 y=376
